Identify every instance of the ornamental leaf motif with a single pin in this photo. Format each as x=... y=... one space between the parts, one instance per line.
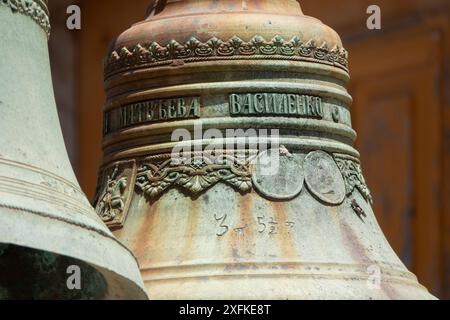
x=155 y=176
x=195 y=50
x=31 y=9
x=353 y=177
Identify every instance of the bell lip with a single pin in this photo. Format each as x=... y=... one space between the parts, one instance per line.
x=120 y=268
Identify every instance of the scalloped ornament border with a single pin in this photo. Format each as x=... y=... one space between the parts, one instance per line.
x=154 y=55
x=31 y=9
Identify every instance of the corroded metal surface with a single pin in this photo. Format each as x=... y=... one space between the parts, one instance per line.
x=46 y=222
x=224 y=230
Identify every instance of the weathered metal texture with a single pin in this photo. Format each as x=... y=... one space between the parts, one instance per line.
x=46 y=222
x=225 y=230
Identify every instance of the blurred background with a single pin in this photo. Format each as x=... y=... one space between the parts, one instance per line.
x=400 y=84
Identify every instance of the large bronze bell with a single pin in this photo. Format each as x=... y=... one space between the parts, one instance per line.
x=47 y=227
x=228 y=229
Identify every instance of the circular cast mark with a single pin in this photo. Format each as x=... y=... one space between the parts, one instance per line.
x=323 y=178
x=278 y=175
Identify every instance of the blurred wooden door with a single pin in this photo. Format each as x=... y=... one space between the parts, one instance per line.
x=397 y=87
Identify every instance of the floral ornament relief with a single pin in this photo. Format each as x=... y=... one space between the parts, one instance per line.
x=196 y=174
x=353 y=176
x=157 y=174
x=154 y=54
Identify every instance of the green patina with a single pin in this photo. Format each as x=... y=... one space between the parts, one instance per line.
x=29 y=274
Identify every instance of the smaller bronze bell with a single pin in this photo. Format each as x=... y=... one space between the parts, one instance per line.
x=47 y=226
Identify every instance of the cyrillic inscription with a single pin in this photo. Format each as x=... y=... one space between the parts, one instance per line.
x=152 y=111
x=276 y=104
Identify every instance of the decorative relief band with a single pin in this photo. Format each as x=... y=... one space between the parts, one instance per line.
x=157 y=174
x=274 y=104
x=330 y=178
x=154 y=54
x=150 y=112
x=36 y=10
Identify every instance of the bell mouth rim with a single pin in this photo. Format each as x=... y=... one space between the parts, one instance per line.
x=120 y=268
